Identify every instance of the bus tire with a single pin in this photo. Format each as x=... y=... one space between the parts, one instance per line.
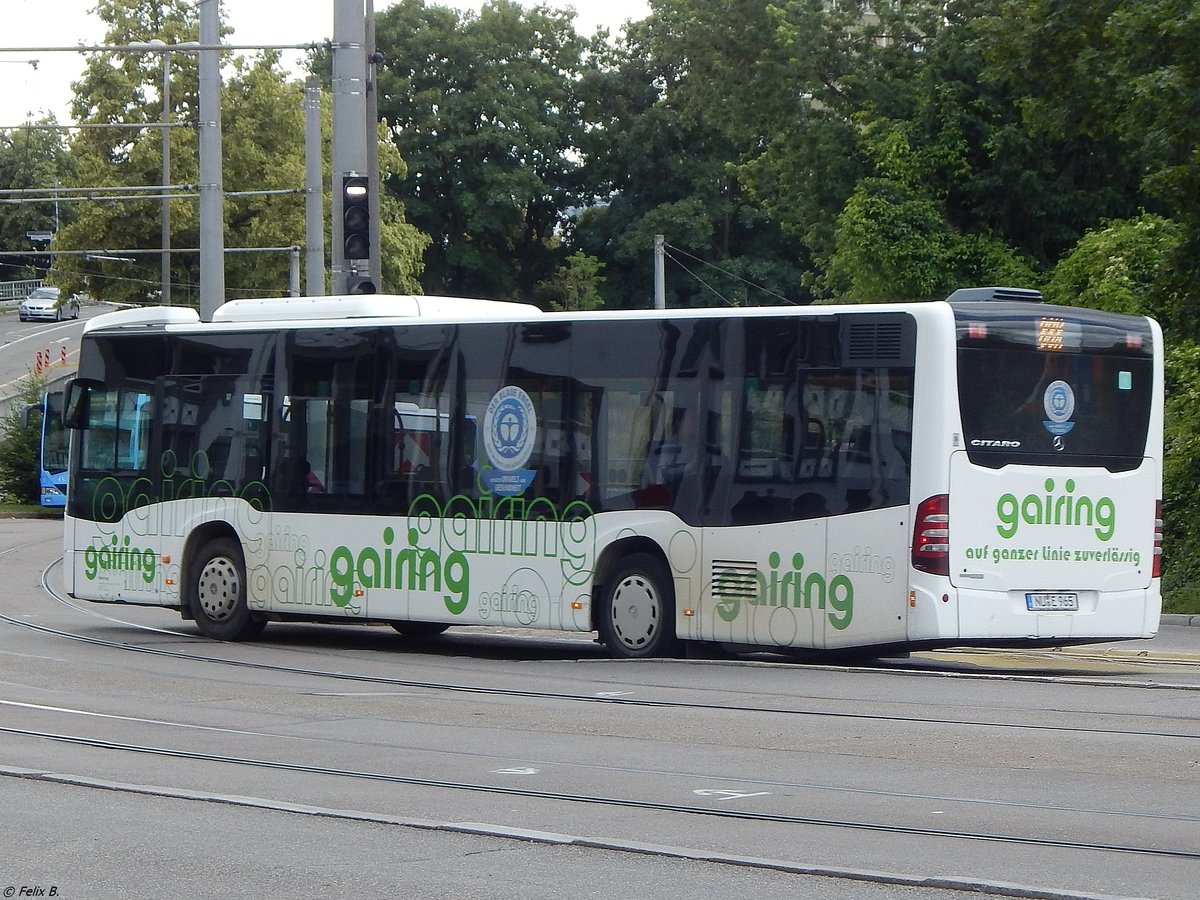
x=217 y=593
x=637 y=609
x=420 y=629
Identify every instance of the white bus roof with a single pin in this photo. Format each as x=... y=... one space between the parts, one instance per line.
x=363 y=306
x=348 y=309
x=316 y=309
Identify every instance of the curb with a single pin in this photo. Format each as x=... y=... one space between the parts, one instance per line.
x=1180 y=619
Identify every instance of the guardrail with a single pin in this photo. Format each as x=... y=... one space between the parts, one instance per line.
x=18 y=290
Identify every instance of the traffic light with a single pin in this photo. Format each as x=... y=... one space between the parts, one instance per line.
x=360 y=284
x=356 y=217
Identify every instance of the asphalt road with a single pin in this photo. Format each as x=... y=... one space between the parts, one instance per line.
x=140 y=760
x=51 y=348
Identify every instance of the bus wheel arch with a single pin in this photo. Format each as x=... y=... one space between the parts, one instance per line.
x=633 y=601
x=214 y=585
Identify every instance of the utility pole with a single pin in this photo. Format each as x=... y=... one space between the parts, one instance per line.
x=660 y=277
x=314 y=194
x=294 y=272
x=212 y=203
x=166 y=178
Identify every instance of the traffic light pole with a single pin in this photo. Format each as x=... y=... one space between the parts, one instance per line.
x=352 y=182
x=373 y=147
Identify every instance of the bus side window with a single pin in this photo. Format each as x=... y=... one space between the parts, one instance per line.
x=814 y=448
x=217 y=455
x=116 y=435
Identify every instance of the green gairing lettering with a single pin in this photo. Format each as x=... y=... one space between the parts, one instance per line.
x=409 y=568
x=1063 y=509
x=119 y=556
x=792 y=588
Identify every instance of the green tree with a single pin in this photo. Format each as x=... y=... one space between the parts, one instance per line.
x=1125 y=72
x=402 y=244
x=1181 y=477
x=31 y=159
x=484 y=109
x=830 y=67
x=262 y=124
x=831 y=110
x=936 y=127
x=892 y=244
x=575 y=286
x=20 y=443
x=263 y=151
x=1122 y=267
x=122 y=89
x=659 y=161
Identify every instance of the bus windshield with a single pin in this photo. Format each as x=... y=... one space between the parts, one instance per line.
x=55 y=437
x=1060 y=388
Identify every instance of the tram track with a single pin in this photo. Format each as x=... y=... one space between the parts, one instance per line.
x=410 y=751
x=171 y=749
x=601 y=800
x=449 y=687
x=939 y=883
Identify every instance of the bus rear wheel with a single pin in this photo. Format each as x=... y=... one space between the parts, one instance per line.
x=637 y=609
x=420 y=629
x=217 y=593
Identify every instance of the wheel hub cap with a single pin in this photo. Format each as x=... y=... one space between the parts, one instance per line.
x=218 y=589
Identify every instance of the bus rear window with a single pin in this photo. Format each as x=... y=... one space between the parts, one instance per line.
x=1054 y=391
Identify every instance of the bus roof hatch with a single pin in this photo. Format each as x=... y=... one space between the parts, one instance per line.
x=1025 y=295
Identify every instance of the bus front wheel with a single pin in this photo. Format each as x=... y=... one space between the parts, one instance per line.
x=217 y=589
x=637 y=609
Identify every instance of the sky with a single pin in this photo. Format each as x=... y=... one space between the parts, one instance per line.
x=27 y=90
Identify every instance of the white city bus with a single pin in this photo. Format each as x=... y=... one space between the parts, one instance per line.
x=982 y=471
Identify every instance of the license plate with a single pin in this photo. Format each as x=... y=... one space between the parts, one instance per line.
x=1056 y=602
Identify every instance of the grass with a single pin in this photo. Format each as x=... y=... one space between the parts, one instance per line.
x=1184 y=600
x=28 y=511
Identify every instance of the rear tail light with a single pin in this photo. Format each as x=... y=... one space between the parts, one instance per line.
x=1158 y=539
x=931 y=536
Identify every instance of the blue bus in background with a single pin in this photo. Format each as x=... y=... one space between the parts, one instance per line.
x=53 y=453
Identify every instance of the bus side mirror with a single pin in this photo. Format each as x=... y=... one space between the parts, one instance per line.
x=25 y=413
x=75 y=402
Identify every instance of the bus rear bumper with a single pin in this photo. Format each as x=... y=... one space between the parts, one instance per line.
x=1012 y=615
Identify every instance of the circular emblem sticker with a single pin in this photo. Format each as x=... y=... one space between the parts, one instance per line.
x=1059 y=403
x=509 y=428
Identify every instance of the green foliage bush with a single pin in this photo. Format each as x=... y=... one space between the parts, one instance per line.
x=1122 y=267
x=1181 y=478
x=1125 y=267
x=20 y=442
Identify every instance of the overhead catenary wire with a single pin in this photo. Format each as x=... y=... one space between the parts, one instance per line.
x=726 y=272
x=677 y=262
x=169 y=195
